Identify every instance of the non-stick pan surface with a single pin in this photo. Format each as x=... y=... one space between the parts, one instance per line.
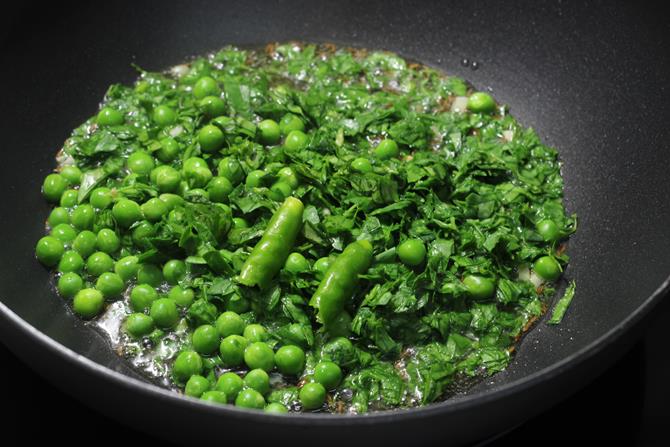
x=590 y=78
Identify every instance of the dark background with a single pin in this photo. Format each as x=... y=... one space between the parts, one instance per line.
x=626 y=406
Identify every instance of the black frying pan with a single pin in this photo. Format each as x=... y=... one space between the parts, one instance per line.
x=591 y=79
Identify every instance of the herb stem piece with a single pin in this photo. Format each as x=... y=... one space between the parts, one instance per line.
x=562 y=304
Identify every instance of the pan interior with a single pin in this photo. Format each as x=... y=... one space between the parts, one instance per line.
x=572 y=75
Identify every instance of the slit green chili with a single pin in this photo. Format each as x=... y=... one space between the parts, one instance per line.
x=340 y=280
x=270 y=253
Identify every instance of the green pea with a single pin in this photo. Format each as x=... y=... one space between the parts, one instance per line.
x=290 y=360
x=196 y=386
x=139 y=325
x=196 y=172
x=69 y=284
x=211 y=138
x=269 y=132
x=289 y=123
x=259 y=355
x=166 y=178
x=174 y=271
x=142 y=296
x=69 y=198
x=171 y=200
x=230 y=323
x=328 y=374
x=88 y=303
x=339 y=350
x=548 y=230
x=215 y=397
x=154 y=209
x=412 y=252
x=108 y=241
x=140 y=163
x=126 y=212
x=480 y=102
x=71 y=261
x=280 y=191
x=101 y=197
x=205 y=339
x=99 y=263
x=312 y=396
x=169 y=150
x=387 y=149
x=321 y=266
x=85 y=243
x=141 y=234
x=479 y=287
x=296 y=140
x=58 y=215
x=240 y=223
x=219 y=188
x=231 y=169
x=231 y=384
x=83 y=217
x=164 y=313
x=187 y=364
x=212 y=106
x=275 y=408
x=362 y=165
x=110 y=285
x=164 y=116
x=53 y=187
x=109 y=117
x=258 y=380
x=64 y=232
x=72 y=174
x=297 y=334
x=232 y=350
x=296 y=263
x=206 y=86
x=255 y=332
x=237 y=304
x=547 y=268
x=127 y=267
x=288 y=175
x=255 y=179
x=183 y=297
x=149 y=274
x=250 y=398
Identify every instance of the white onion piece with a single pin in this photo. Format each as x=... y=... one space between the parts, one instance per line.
x=535 y=279
x=460 y=104
x=64 y=159
x=179 y=70
x=524 y=273
x=176 y=131
x=508 y=135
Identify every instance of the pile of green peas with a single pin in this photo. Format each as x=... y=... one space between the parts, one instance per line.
x=94 y=266
x=240 y=345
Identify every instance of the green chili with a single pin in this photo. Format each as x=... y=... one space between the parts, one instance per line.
x=340 y=280
x=269 y=255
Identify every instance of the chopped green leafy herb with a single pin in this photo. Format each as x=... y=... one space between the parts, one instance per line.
x=257 y=212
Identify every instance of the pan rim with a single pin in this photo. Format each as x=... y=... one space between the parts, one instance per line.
x=448 y=406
